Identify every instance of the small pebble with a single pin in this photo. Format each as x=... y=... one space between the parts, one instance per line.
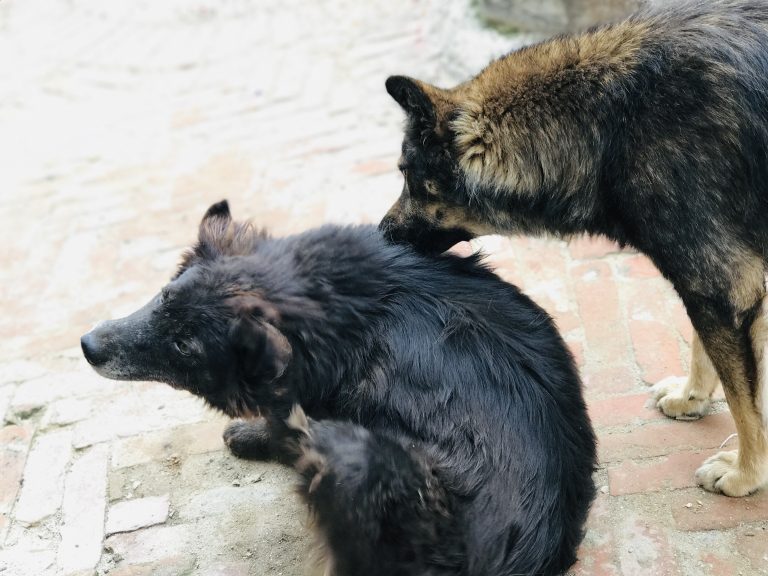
x=689 y=505
x=235 y=482
x=604 y=489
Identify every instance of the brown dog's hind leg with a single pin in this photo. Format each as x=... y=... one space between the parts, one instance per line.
x=737 y=353
x=688 y=399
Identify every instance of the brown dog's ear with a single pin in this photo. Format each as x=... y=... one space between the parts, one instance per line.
x=413 y=97
x=264 y=352
x=426 y=105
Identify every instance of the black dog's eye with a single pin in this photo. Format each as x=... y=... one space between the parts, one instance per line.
x=182 y=348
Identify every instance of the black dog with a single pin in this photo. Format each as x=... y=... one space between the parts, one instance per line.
x=457 y=441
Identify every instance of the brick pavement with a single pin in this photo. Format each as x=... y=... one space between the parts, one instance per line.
x=120 y=123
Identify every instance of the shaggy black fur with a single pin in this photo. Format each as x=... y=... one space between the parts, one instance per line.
x=442 y=429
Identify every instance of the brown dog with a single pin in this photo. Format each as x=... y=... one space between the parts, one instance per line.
x=652 y=132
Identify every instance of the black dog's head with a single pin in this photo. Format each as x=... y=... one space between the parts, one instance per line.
x=210 y=331
x=434 y=210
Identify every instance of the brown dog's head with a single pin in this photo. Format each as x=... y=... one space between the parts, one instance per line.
x=434 y=209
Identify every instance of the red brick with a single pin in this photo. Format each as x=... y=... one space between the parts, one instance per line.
x=599 y=382
x=655 y=299
x=462 y=249
x=171 y=566
x=622 y=410
x=508 y=271
x=670 y=472
x=647 y=299
x=681 y=321
x=577 y=349
x=565 y=321
x=43 y=483
x=752 y=543
x=658 y=439
x=596 y=554
x=4 y=523
x=657 y=351
x=541 y=258
x=14 y=445
x=194 y=438
x=503 y=261
x=82 y=512
x=545 y=278
x=375 y=167
x=717 y=564
x=643 y=548
x=155 y=544
x=638 y=266
x=716 y=512
x=598 y=300
x=595 y=560
x=588 y=247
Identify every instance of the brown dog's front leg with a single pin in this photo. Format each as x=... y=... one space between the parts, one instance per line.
x=738 y=356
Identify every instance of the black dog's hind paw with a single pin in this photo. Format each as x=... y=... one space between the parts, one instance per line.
x=249 y=439
x=311 y=463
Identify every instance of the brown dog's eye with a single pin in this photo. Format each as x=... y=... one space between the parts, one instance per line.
x=182 y=348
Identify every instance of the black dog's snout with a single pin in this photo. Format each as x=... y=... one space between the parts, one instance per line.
x=93 y=350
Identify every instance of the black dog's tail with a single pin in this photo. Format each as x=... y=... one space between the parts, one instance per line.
x=378 y=506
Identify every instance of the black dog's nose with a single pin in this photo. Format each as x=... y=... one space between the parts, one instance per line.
x=92 y=351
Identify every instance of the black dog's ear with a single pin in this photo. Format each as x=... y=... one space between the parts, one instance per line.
x=219 y=235
x=264 y=352
x=218 y=210
x=213 y=229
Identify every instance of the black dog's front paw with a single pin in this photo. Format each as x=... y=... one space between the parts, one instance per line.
x=249 y=439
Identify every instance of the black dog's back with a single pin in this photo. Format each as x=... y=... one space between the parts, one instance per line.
x=474 y=405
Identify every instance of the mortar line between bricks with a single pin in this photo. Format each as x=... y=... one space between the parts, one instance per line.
x=12 y=507
x=635 y=368
x=683 y=346
x=32 y=439
x=108 y=503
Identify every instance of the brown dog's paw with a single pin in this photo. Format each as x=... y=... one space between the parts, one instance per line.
x=721 y=473
x=249 y=439
x=672 y=401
